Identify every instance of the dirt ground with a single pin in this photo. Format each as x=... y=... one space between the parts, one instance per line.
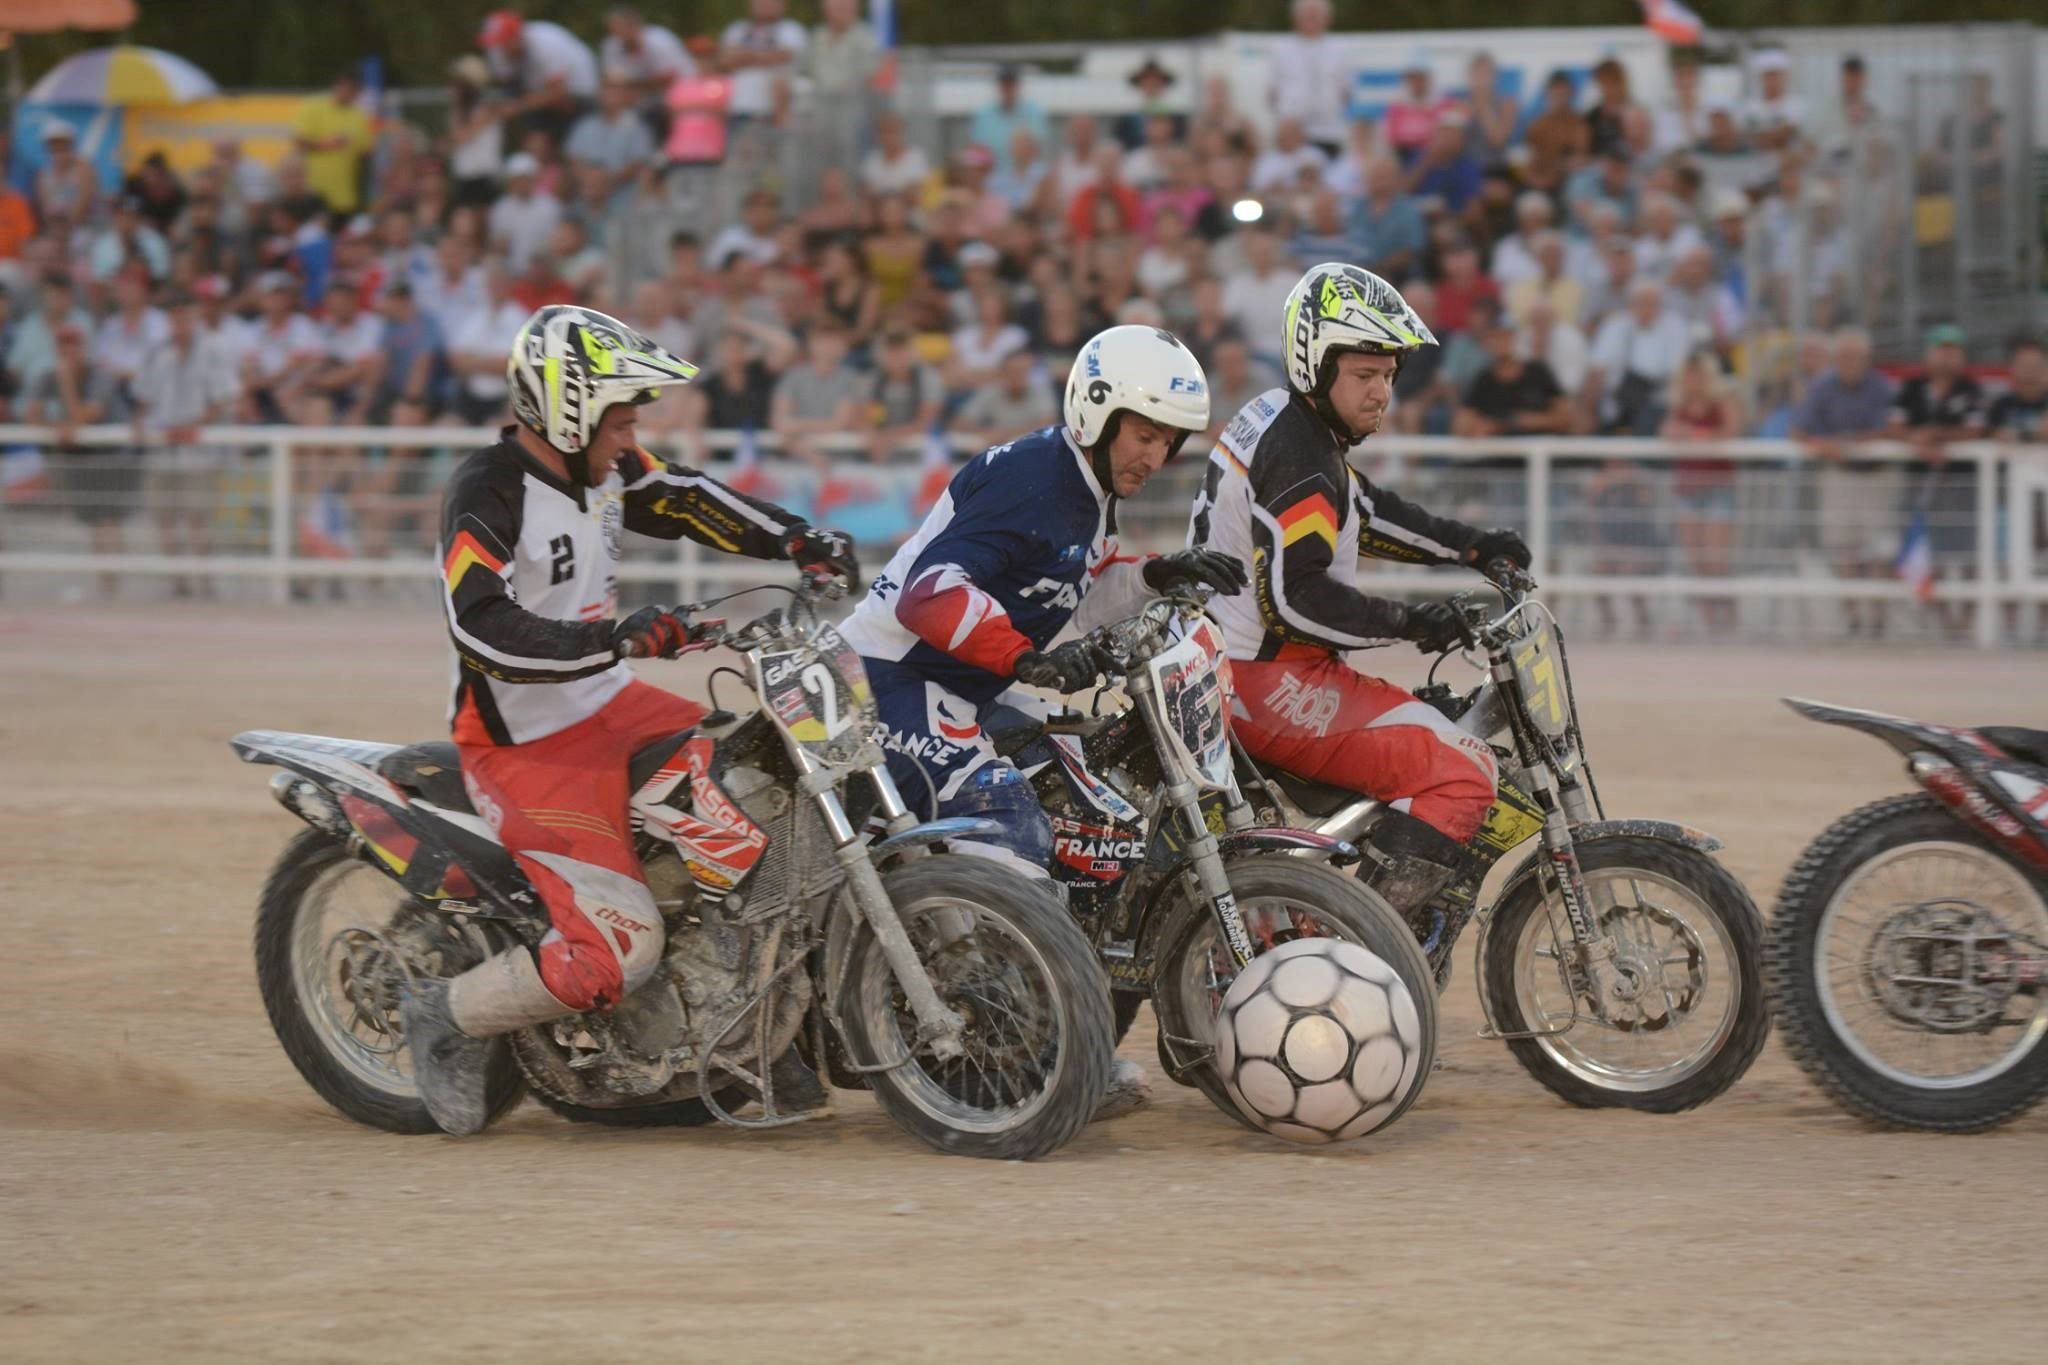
x=170 y=1189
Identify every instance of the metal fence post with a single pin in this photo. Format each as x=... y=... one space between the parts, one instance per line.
x=1538 y=482
x=280 y=516
x=1985 y=588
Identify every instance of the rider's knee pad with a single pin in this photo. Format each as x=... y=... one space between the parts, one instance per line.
x=1000 y=793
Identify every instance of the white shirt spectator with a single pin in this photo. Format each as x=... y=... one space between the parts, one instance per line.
x=364 y=336
x=449 y=298
x=1254 y=302
x=879 y=175
x=175 y=388
x=1161 y=271
x=1625 y=346
x=1071 y=174
x=1656 y=255
x=489 y=331
x=551 y=52
x=522 y=226
x=1564 y=351
x=737 y=239
x=1311 y=81
x=122 y=346
x=276 y=349
x=611 y=144
x=1278 y=170
x=661 y=55
x=229 y=342
x=976 y=354
x=753 y=87
x=1768 y=115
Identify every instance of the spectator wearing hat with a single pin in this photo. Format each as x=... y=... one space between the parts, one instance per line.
x=333 y=134
x=893 y=165
x=65 y=186
x=549 y=73
x=1412 y=117
x=1775 y=117
x=524 y=217
x=996 y=123
x=99 y=481
x=128 y=240
x=1309 y=78
x=182 y=387
x=1151 y=81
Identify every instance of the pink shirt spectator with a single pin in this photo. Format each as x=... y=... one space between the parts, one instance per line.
x=1409 y=124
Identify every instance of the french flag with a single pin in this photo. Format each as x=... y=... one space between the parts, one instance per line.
x=1673 y=22
x=1915 y=563
x=325 y=530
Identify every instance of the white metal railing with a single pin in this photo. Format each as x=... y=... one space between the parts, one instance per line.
x=1548 y=487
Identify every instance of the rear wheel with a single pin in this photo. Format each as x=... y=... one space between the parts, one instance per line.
x=1281 y=899
x=1684 y=1015
x=336 y=939
x=1905 y=961
x=1003 y=954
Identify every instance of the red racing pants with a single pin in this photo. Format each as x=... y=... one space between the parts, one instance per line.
x=559 y=806
x=1313 y=715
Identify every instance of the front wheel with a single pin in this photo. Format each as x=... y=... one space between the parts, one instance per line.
x=1905 y=963
x=1682 y=1014
x=1002 y=954
x=1281 y=899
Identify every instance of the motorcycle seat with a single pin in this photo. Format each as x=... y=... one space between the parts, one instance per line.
x=1314 y=798
x=1011 y=740
x=2029 y=746
x=432 y=770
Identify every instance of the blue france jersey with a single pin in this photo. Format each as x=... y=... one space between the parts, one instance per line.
x=1021 y=537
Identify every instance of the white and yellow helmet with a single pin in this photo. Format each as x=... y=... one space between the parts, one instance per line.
x=569 y=365
x=1135 y=368
x=1336 y=308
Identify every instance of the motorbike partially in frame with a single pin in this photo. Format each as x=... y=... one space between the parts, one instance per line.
x=1620 y=962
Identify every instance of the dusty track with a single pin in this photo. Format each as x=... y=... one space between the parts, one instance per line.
x=170 y=1189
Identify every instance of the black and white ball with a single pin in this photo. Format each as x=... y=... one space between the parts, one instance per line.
x=1318 y=1040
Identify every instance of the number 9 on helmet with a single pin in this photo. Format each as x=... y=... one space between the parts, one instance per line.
x=1138 y=369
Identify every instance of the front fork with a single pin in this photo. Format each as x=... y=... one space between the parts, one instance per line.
x=1592 y=945
x=937 y=1025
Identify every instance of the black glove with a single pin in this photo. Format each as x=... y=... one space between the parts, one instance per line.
x=1185 y=568
x=1499 y=543
x=824 y=552
x=651 y=633
x=1435 y=627
x=1069 y=668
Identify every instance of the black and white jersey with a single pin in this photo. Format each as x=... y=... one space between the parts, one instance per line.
x=530 y=572
x=1280 y=495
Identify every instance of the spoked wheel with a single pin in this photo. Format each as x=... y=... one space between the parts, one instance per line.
x=336 y=941
x=1908 y=958
x=1282 y=899
x=1004 y=956
x=1679 y=1015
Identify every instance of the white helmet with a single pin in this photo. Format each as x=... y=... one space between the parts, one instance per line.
x=1336 y=308
x=1137 y=369
x=568 y=365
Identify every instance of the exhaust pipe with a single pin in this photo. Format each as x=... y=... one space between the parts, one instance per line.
x=310 y=803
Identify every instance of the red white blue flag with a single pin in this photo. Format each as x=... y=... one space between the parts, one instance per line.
x=1673 y=22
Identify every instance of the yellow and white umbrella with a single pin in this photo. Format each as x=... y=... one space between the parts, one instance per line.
x=123 y=75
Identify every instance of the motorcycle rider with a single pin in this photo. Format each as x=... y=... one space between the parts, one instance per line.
x=1281 y=493
x=546 y=711
x=1023 y=542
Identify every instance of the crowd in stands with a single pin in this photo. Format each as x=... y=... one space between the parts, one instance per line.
x=1590 y=262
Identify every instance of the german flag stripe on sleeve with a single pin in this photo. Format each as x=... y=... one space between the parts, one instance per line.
x=464 y=551
x=1312 y=516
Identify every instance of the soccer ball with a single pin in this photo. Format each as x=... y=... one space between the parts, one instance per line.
x=1318 y=1040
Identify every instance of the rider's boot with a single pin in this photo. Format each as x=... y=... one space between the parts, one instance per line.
x=449 y=1025
x=1128 y=1091
x=1408 y=861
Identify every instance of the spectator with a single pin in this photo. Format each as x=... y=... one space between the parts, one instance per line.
x=17 y=221
x=525 y=216
x=181 y=389
x=1492 y=116
x=451 y=283
x=1553 y=338
x=128 y=240
x=1346 y=175
x=820 y=398
x=1254 y=295
x=1311 y=81
x=245 y=184
x=1106 y=199
x=1234 y=380
x=413 y=381
x=1605 y=121
x=1858 y=509
x=654 y=311
x=332 y=133
x=1550 y=285
x=1665 y=237
x=2021 y=412
x=352 y=358
x=578 y=261
x=1708 y=307
x=1145 y=165
x=1557 y=138
x=1325 y=236
x=995 y=125
x=1680 y=124
x=1210 y=325
x=1703 y=407
x=740 y=387
x=549 y=73
x=1412 y=118
x=134 y=329
x=1442 y=173
x=758 y=52
x=980 y=347
x=648 y=58
x=228 y=338
x=541 y=285
x=1514 y=255
x=1635 y=354
x=65 y=187
x=845 y=292
x=1514 y=396
x=1387 y=222
x=1023 y=173
x=284 y=350
x=1929 y=412
x=611 y=146
x=99 y=481
x=841 y=62
x=893 y=166
x=904 y=396
x=1461 y=286
x=33 y=351
x=895 y=252
x=1013 y=401
x=1279 y=167
x=1727 y=159
x=836 y=212
x=1184 y=192
x=1608 y=179
x=1776 y=116
x=1075 y=168
x=1152 y=81
x=157 y=191
x=1728 y=215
